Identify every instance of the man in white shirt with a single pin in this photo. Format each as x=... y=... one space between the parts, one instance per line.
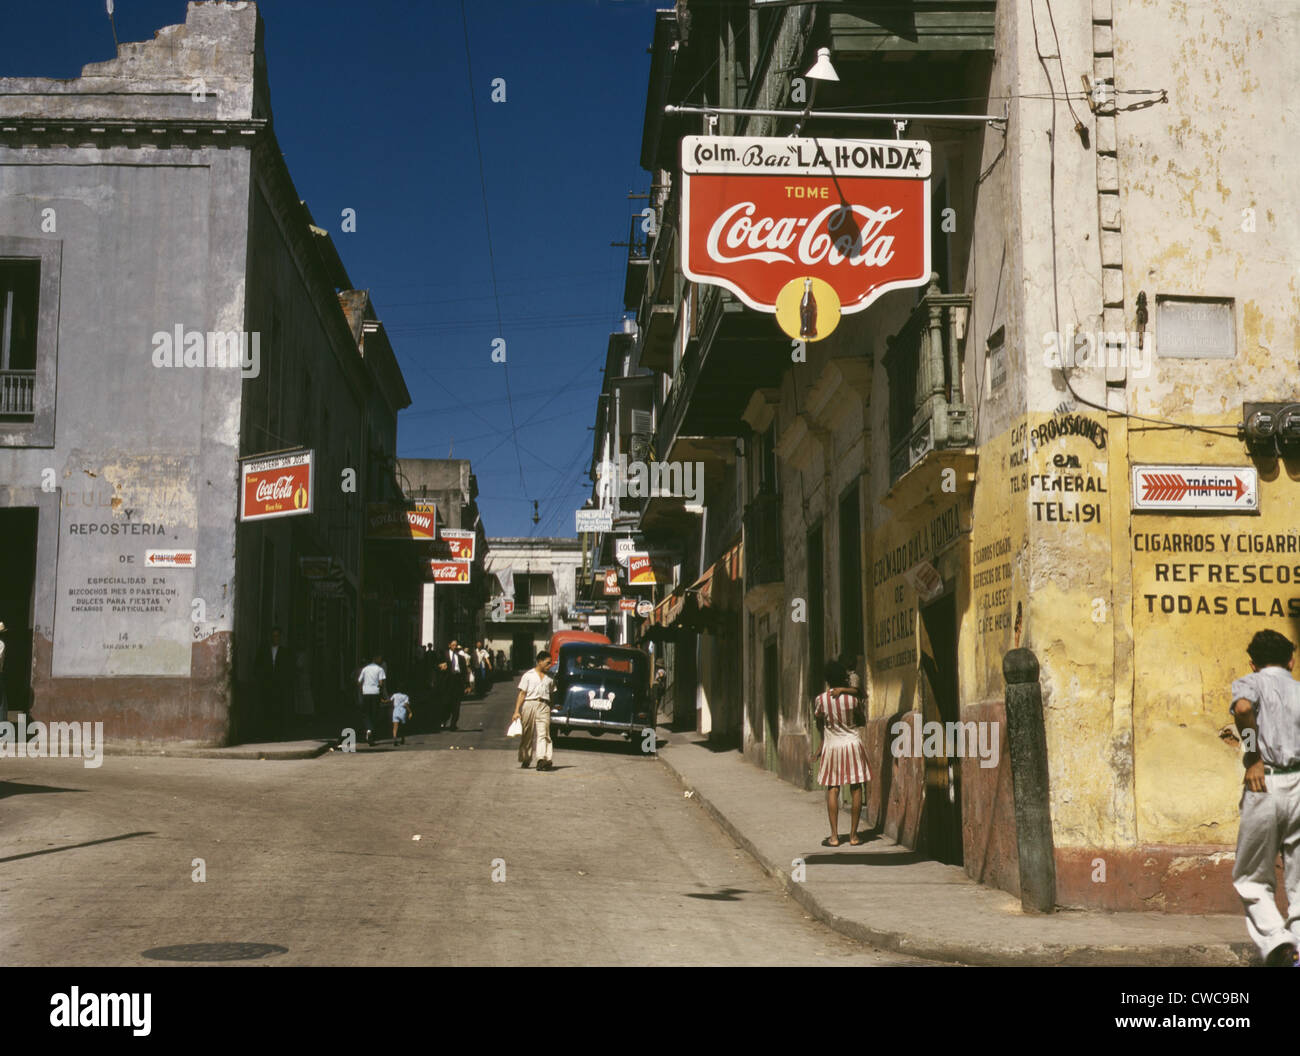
x=1266 y=709
x=533 y=708
x=372 y=681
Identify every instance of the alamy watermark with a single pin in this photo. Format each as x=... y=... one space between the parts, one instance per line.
x=213 y=348
x=647 y=480
x=75 y=1009
x=55 y=740
x=946 y=740
x=1100 y=348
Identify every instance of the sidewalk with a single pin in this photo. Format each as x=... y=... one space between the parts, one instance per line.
x=884 y=895
x=306 y=749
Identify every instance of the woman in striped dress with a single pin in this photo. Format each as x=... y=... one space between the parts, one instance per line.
x=839 y=715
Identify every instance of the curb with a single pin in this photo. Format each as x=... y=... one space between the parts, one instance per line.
x=310 y=751
x=988 y=953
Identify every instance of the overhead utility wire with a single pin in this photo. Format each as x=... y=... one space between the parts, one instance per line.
x=487 y=223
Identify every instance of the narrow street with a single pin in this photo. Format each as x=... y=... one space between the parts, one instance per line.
x=605 y=861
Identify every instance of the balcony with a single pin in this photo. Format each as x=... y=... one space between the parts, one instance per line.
x=638 y=263
x=17 y=394
x=533 y=612
x=763 y=551
x=924 y=361
x=659 y=310
x=736 y=351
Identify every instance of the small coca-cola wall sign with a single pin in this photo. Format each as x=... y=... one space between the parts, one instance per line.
x=279 y=486
x=806 y=229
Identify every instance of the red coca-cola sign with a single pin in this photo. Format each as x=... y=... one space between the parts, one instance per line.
x=460 y=543
x=450 y=571
x=760 y=215
x=279 y=486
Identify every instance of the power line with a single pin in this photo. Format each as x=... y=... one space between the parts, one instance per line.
x=480 y=403
x=487 y=223
x=489 y=436
x=539 y=410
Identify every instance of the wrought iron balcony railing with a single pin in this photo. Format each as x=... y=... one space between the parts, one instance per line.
x=18 y=393
x=925 y=361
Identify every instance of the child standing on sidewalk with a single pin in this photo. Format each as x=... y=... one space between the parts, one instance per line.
x=1266 y=709
x=401 y=712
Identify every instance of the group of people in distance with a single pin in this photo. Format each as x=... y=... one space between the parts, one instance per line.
x=450 y=675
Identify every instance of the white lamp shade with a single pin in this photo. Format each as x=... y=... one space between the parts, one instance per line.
x=822 y=70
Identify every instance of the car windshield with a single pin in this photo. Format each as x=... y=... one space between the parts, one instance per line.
x=600 y=662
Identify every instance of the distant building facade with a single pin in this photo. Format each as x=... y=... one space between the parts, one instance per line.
x=448 y=609
x=539 y=578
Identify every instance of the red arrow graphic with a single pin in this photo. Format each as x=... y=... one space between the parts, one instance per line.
x=1170 y=487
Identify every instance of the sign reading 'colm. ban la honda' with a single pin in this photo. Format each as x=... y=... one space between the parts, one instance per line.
x=773 y=219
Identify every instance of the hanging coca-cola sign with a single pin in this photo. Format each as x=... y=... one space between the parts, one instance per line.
x=806 y=228
x=278 y=486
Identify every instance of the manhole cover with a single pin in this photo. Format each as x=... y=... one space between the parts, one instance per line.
x=214 y=951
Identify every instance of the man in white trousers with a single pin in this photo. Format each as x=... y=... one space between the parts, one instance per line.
x=533 y=708
x=1266 y=709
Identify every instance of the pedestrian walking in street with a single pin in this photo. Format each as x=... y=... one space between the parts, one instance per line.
x=482 y=667
x=840 y=715
x=1266 y=710
x=431 y=686
x=402 y=710
x=373 y=681
x=533 y=708
x=454 y=681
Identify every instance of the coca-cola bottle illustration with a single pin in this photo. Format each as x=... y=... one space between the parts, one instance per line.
x=808 y=311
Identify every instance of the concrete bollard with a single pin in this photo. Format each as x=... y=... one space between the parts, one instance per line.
x=1027 y=744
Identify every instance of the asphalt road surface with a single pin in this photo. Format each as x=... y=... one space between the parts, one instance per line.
x=442 y=851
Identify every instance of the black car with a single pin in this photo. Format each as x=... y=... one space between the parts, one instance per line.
x=602 y=689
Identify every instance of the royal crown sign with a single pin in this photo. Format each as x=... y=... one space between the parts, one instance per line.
x=395 y=520
x=807 y=229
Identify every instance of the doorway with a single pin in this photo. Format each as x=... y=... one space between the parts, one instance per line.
x=522 y=653
x=771 y=699
x=17 y=585
x=850 y=536
x=940 y=702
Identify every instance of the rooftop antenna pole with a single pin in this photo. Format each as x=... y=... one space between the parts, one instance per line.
x=113 y=25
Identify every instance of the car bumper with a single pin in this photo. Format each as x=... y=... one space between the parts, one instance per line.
x=573 y=723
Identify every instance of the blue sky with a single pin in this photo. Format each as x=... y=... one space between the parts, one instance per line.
x=372 y=109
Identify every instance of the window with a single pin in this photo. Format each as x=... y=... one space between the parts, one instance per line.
x=20 y=282
x=767 y=479
x=939 y=238
x=29 y=322
x=816 y=610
